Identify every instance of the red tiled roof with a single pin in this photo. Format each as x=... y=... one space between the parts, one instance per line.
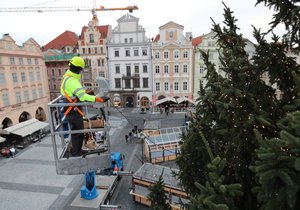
x=196 y=40
x=68 y=38
x=102 y=29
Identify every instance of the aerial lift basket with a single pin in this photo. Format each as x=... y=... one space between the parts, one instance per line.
x=93 y=160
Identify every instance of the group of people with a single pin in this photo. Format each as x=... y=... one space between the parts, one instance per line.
x=132 y=135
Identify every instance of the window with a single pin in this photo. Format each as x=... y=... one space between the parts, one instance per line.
x=23 y=77
x=166 y=69
x=117 y=83
x=201 y=69
x=166 y=86
x=136 y=83
x=176 y=54
x=157 y=69
x=92 y=40
x=36 y=61
x=0 y=60
x=98 y=62
x=29 y=61
x=54 y=86
x=131 y=40
x=166 y=55
x=211 y=56
x=21 y=61
x=184 y=86
x=14 y=77
x=59 y=72
x=176 y=86
x=176 y=68
x=144 y=52
x=128 y=71
x=117 y=68
x=125 y=40
x=38 y=76
x=185 y=68
x=127 y=83
x=5 y=99
x=136 y=69
x=185 y=54
x=34 y=95
x=96 y=50
x=117 y=54
x=127 y=53
x=101 y=50
x=145 y=68
x=145 y=83
x=31 y=76
x=102 y=62
x=52 y=72
x=136 y=52
x=89 y=51
x=41 y=94
x=83 y=50
x=26 y=95
x=156 y=54
x=18 y=97
x=171 y=34
x=12 y=61
x=101 y=74
x=157 y=86
x=2 y=79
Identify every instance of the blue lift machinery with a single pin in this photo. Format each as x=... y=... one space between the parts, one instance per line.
x=99 y=159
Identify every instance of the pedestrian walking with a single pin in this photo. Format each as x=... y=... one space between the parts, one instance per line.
x=130 y=137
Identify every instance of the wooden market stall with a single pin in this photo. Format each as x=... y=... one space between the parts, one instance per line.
x=147 y=175
x=164 y=146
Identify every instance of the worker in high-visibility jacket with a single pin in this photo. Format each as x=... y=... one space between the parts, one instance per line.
x=72 y=91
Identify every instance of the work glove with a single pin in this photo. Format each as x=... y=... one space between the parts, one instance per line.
x=90 y=92
x=102 y=99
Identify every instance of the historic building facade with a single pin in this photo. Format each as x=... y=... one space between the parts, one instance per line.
x=172 y=63
x=129 y=60
x=24 y=88
x=92 y=47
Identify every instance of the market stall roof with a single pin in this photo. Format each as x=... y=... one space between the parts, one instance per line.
x=152 y=125
x=167 y=135
x=27 y=127
x=151 y=172
x=183 y=99
x=170 y=99
x=2 y=139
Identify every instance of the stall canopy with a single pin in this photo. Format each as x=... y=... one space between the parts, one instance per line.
x=166 y=99
x=27 y=127
x=184 y=99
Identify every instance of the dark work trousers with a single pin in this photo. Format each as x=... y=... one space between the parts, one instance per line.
x=76 y=123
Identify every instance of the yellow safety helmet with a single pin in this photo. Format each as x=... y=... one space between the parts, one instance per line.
x=77 y=61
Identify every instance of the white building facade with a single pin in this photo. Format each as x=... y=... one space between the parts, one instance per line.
x=129 y=64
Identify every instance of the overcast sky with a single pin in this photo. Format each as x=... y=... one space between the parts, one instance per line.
x=194 y=15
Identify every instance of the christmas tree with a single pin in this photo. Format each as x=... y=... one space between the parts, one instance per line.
x=157 y=196
x=215 y=194
x=230 y=108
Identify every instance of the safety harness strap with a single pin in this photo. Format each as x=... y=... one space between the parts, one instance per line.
x=69 y=99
